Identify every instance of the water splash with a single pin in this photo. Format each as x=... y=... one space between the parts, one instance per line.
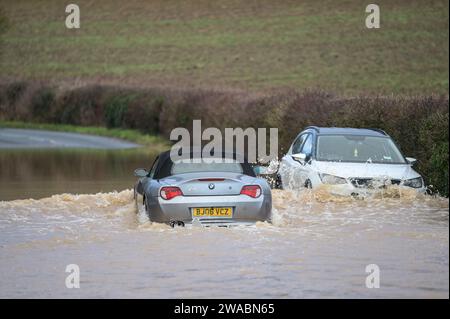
x=315 y=237
x=291 y=208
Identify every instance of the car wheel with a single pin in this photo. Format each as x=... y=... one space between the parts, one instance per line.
x=278 y=182
x=144 y=202
x=308 y=184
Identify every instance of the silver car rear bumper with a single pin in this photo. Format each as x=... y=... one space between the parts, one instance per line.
x=245 y=209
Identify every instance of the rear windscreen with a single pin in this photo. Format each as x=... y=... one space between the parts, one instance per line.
x=198 y=165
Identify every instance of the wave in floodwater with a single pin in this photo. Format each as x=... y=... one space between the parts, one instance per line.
x=316 y=246
x=116 y=211
x=394 y=204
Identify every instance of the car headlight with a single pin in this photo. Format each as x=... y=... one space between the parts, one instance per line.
x=331 y=179
x=414 y=182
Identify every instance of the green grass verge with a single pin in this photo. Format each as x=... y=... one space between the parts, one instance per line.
x=153 y=141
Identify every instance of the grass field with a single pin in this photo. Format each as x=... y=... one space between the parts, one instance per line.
x=256 y=45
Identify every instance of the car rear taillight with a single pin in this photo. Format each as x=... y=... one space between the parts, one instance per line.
x=251 y=190
x=169 y=192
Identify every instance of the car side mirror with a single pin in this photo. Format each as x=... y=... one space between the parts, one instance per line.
x=260 y=170
x=140 y=172
x=264 y=170
x=300 y=157
x=411 y=160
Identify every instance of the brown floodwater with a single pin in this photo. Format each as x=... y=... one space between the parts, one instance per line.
x=75 y=207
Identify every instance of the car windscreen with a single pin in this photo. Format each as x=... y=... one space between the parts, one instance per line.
x=356 y=148
x=199 y=165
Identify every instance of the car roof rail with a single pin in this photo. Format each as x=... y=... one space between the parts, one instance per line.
x=313 y=128
x=378 y=130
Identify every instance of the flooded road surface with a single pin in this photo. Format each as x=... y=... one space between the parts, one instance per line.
x=317 y=246
x=30 y=173
x=39 y=139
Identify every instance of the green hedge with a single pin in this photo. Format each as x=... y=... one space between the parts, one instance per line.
x=419 y=124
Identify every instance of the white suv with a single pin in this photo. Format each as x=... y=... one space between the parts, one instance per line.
x=349 y=159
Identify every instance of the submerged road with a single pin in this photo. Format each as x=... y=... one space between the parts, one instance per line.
x=25 y=138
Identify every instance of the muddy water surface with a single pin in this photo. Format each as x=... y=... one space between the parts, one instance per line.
x=318 y=245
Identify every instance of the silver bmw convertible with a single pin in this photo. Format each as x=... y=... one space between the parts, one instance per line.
x=197 y=191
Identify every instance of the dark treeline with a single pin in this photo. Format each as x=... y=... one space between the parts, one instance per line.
x=419 y=124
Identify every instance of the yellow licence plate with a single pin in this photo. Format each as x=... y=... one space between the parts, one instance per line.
x=212 y=212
